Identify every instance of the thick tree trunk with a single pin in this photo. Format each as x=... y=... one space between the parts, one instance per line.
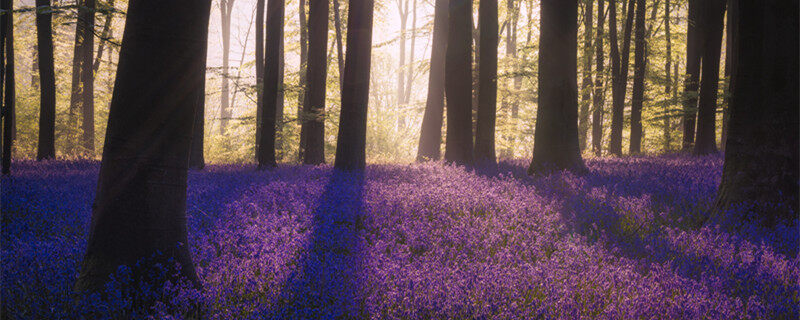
x=87 y=80
x=314 y=107
x=694 y=44
x=487 y=83
x=598 y=98
x=760 y=174
x=731 y=42
x=639 y=68
x=266 y=154
x=556 y=140
x=713 y=20
x=139 y=210
x=197 y=159
x=352 y=139
x=586 y=84
x=430 y=135
x=47 y=79
x=225 y=10
x=619 y=69
x=9 y=96
x=301 y=116
x=667 y=126
x=458 y=83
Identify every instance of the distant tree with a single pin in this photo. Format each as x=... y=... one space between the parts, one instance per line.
x=302 y=83
x=713 y=22
x=259 y=66
x=266 y=152
x=458 y=83
x=586 y=72
x=761 y=156
x=639 y=68
x=314 y=105
x=430 y=136
x=139 y=209
x=351 y=142
x=694 y=43
x=555 y=145
x=9 y=95
x=337 y=26
x=487 y=83
x=87 y=78
x=667 y=127
x=619 y=69
x=105 y=34
x=47 y=79
x=598 y=97
x=225 y=15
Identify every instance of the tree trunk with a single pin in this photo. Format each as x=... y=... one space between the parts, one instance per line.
x=430 y=135
x=693 y=58
x=139 y=212
x=301 y=116
x=105 y=35
x=713 y=20
x=667 y=128
x=314 y=106
x=410 y=64
x=337 y=24
x=598 y=98
x=225 y=10
x=586 y=84
x=402 y=8
x=275 y=12
x=639 y=68
x=730 y=63
x=259 y=66
x=87 y=80
x=487 y=83
x=619 y=69
x=351 y=142
x=197 y=159
x=75 y=91
x=47 y=79
x=555 y=144
x=9 y=96
x=458 y=83
x=760 y=174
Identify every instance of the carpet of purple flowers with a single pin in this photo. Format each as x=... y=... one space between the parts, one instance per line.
x=629 y=239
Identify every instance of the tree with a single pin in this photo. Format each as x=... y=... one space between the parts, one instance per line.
x=598 y=97
x=555 y=144
x=140 y=205
x=639 y=68
x=586 y=83
x=760 y=171
x=301 y=116
x=403 y=11
x=105 y=34
x=225 y=14
x=87 y=79
x=713 y=21
x=7 y=21
x=266 y=152
x=316 y=74
x=430 y=135
x=351 y=142
x=731 y=42
x=259 y=65
x=47 y=79
x=487 y=83
x=337 y=25
x=693 y=59
x=619 y=70
x=667 y=72
x=458 y=83
x=196 y=157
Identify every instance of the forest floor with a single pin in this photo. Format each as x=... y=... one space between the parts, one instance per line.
x=629 y=239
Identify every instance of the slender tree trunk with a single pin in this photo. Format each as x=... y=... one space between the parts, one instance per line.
x=410 y=64
x=225 y=9
x=555 y=144
x=639 y=68
x=730 y=63
x=47 y=78
x=760 y=174
x=280 y=103
x=259 y=66
x=430 y=136
x=458 y=83
x=105 y=35
x=275 y=12
x=302 y=84
x=75 y=91
x=317 y=74
x=487 y=83
x=667 y=128
x=706 y=137
x=9 y=96
x=402 y=8
x=598 y=98
x=619 y=69
x=139 y=210
x=87 y=80
x=693 y=58
x=351 y=142
x=337 y=24
x=586 y=84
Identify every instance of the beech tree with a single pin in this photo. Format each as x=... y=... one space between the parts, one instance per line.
x=713 y=21
x=487 y=83
x=352 y=139
x=87 y=79
x=430 y=135
x=7 y=22
x=47 y=81
x=139 y=209
x=586 y=72
x=458 y=83
x=314 y=105
x=639 y=68
x=619 y=72
x=266 y=151
x=598 y=97
x=692 y=79
x=225 y=14
x=555 y=145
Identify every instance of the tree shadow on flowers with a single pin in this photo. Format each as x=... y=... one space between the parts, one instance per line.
x=327 y=281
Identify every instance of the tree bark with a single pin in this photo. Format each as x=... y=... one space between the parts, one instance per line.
x=47 y=79
x=760 y=174
x=619 y=69
x=598 y=98
x=713 y=20
x=87 y=79
x=197 y=159
x=139 y=210
x=9 y=96
x=225 y=10
x=731 y=42
x=667 y=127
x=639 y=68
x=693 y=58
x=337 y=24
x=352 y=138
x=402 y=9
x=458 y=83
x=259 y=66
x=410 y=64
x=301 y=116
x=314 y=106
x=487 y=83
x=75 y=91
x=556 y=140
x=275 y=12
x=430 y=136
x=105 y=35
x=586 y=84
